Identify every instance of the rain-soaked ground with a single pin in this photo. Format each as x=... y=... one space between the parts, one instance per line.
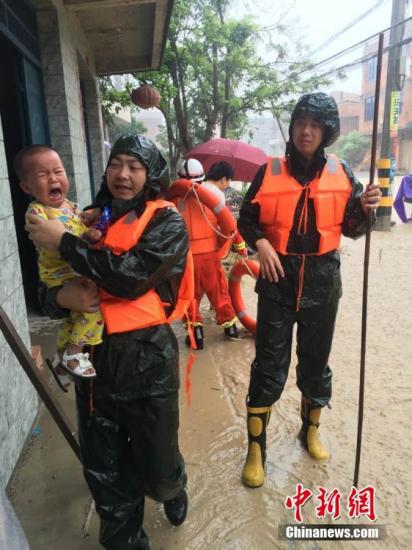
x=52 y=500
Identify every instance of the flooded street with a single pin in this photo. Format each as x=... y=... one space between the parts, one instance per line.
x=226 y=515
x=52 y=500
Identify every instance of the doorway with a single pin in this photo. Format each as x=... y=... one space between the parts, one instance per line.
x=24 y=122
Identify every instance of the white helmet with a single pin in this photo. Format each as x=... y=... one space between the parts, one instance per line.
x=190 y=169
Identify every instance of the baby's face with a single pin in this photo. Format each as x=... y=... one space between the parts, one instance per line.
x=45 y=178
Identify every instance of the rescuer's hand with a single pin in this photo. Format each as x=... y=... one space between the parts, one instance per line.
x=370 y=198
x=90 y=217
x=78 y=294
x=92 y=235
x=270 y=266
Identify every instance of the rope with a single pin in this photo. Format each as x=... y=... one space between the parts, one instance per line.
x=248 y=268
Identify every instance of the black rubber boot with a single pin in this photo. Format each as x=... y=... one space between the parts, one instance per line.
x=198 y=336
x=176 y=508
x=231 y=332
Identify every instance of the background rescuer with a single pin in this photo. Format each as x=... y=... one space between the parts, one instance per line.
x=205 y=246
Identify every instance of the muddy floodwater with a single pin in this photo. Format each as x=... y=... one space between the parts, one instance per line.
x=225 y=515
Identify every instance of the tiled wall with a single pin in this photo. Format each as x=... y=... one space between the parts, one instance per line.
x=18 y=399
x=63 y=47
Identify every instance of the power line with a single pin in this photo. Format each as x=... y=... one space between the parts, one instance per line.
x=333 y=37
x=360 y=43
x=349 y=48
x=365 y=58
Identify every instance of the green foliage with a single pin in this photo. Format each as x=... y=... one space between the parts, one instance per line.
x=353 y=147
x=212 y=75
x=117 y=127
x=112 y=99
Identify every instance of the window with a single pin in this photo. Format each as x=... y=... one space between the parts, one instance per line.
x=372 y=65
x=369 y=107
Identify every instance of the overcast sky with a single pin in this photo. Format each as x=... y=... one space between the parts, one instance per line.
x=320 y=19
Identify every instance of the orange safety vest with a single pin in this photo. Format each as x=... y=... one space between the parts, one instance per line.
x=279 y=195
x=123 y=315
x=202 y=235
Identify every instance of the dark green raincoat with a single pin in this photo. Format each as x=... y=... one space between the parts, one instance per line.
x=129 y=415
x=322 y=287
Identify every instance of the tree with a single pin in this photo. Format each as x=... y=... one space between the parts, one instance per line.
x=113 y=100
x=212 y=75
x=117 y=126
x=353 y=147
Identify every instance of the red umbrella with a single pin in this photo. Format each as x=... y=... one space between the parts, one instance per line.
x=245 y=159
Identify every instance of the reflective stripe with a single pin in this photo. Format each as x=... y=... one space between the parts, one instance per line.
x=219 y=207
x=331 y=164
x=228 y=324
x=130 y=218
x=181 y=204
x=241 y=314
x=276 y=166
x=234 y=278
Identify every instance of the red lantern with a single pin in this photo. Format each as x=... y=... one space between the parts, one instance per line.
x=146 y=96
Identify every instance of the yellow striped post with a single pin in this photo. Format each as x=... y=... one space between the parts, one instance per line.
x=385 y=178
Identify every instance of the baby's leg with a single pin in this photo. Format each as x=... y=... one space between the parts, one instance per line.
x=60 y=374
x=87 y=330
x=63 y=335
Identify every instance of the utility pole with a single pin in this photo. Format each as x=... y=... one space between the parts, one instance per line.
x=394 y=82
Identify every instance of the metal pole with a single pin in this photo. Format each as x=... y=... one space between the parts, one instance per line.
x=393 y=84
x=366 y=265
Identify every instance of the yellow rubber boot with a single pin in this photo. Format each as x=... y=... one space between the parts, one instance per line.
x=253 y=473
x=309 y=433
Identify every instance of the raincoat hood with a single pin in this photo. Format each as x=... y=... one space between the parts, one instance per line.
x=322 y=107
x=148 y=154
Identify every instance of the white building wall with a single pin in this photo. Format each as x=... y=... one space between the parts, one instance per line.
x=18 y=399
x=63 y=49
x=63 y=45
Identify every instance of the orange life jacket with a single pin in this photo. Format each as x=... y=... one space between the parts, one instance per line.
x=202 y=235
x=279 y=195
x=122 y=315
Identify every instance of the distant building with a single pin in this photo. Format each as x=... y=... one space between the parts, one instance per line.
x=368 y=90
x=349 y=105
x=153 y=120
x=404 y=137
x=266 y=135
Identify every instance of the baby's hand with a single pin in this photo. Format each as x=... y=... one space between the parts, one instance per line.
x=92 y=235
x=90 y=217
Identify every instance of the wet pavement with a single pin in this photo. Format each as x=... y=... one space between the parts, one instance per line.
x=52 y=501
